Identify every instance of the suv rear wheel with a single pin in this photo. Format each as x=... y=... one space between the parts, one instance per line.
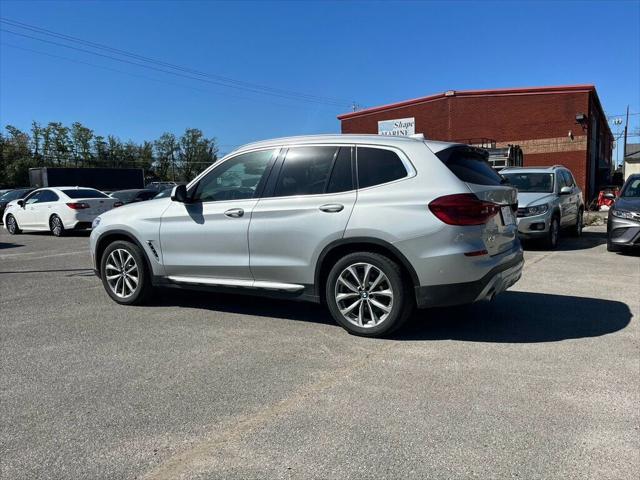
x=124 y=274
x=367 y=295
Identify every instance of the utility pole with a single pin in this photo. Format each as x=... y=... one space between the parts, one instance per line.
x=624 y=148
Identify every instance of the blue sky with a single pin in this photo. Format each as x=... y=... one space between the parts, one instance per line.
x=371 y=53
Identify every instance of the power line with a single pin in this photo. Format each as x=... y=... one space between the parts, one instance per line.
x=164 y=64
x=226 y=95
x=180 y=71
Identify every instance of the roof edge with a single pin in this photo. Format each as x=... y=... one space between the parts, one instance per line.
x=469 y=93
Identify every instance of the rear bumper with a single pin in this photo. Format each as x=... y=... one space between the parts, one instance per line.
x=495 y=281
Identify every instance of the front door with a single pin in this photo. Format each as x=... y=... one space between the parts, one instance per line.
x=207 y=237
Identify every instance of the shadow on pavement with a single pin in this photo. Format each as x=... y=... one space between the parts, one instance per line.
x=587 y=241
x=4 y=245
x=513 y=317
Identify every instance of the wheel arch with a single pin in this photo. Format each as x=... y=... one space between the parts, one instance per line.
x=339 y=248
x=112 y=236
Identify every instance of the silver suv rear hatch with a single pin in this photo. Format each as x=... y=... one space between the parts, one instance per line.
x=470 y=165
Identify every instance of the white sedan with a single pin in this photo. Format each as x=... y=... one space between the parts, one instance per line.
x=57 y=210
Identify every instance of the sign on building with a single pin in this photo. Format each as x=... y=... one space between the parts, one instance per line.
x=400 y=127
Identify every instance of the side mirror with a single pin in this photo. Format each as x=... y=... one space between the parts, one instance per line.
x=21 y=203
x=566 y=191
x=610 y=196
x=179 y=194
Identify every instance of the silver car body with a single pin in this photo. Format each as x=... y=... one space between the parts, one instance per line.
x=565 y=205
x=280 y=243
x=623 y=223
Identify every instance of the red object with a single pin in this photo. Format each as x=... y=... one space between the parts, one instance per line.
x=78 y=205
x=463 y=209
x=603 y=201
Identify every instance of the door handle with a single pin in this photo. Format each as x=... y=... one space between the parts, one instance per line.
x=332 y=207
x=234 y=213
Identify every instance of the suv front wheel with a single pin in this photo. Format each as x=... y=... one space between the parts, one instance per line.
x=367 y=295
x=124 y=274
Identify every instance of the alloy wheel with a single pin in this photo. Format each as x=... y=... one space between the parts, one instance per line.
x=11 y=225
x=122 y=274
x=364 y=295
x=56 y=226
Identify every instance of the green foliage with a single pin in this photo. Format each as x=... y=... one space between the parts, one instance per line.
x=55 y=145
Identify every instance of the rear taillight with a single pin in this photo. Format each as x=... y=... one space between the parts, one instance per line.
x=117 y=204
x=78 y=205
x=463 y=209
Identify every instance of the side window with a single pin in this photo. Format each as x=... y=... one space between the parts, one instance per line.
x=47 y=196
x=236 y=179
x=305 y=171
x=568 y=178
x=342 y=175
x=376 y=166
x=562 y=179
x=34 y=198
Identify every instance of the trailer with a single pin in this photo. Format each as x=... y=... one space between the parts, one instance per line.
x=105 y=179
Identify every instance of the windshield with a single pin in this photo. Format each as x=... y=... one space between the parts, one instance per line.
x=84 y=193
x=14 y=195
x=631 y=189
x=531 y=182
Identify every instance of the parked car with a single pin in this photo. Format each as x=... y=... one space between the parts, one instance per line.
x=164 y=193
x=623 y=224
x=549 y=200
x=370 y=225
x=157 y=186
x=136 y=195
x=57 y=209
x=5 y=190
x=11 y=195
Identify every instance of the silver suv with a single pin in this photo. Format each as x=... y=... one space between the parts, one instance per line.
x=369 y=225
x=548 y=200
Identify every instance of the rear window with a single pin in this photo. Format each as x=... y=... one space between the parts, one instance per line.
x=470 y=165
x=83 y=193
x=124 y=195
x=377 y=166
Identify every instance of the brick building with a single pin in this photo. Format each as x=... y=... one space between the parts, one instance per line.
x=553 y=125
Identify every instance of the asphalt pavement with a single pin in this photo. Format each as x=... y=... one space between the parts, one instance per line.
x=543 y=382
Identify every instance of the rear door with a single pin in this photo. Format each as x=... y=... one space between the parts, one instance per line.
x=469 y=164
x=306 y=206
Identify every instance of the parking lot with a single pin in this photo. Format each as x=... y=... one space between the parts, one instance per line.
x=540 y=383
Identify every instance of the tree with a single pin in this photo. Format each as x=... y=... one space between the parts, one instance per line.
x=166 y=148
x=81 y=144
x=196 y=153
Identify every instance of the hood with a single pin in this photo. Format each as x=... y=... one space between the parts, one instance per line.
x=528 y=199
x=631 y=204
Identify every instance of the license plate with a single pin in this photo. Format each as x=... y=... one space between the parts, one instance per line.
x=507 y=216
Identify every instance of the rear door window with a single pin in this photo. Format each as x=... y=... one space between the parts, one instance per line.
x=48 y=196
x=377 y=166
x=342 y=174
x=470 y=165
x=305 y=171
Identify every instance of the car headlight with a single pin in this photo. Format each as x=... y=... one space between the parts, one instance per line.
x=535 y=210
x=625 y=214
x=96 y=222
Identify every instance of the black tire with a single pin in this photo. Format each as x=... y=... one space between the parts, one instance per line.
x=12 y=225
x=56 y=226
x=401 y=301
x=551 y=240
x=143 y=289
x=576 y=230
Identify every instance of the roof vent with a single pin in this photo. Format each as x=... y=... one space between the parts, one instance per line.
x=449 y=93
